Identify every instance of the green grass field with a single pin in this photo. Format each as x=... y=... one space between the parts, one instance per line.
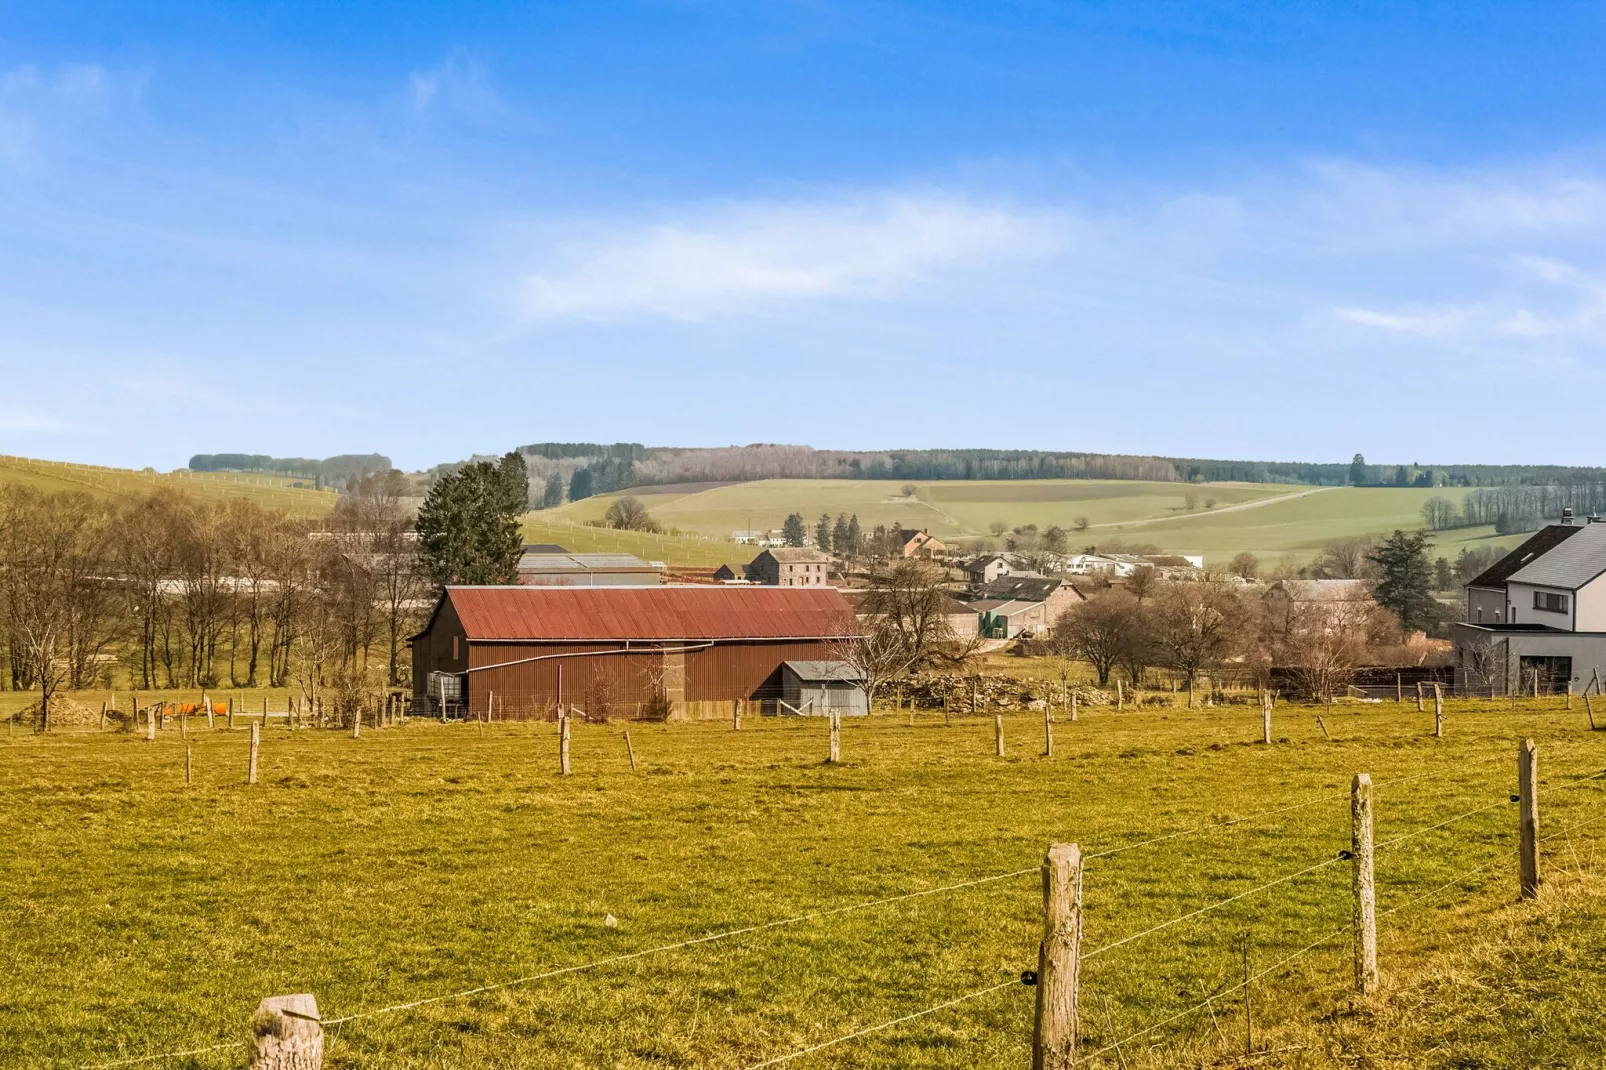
x=294 y=497
x=1269 y=520
x=140 y=915
x=582 y=538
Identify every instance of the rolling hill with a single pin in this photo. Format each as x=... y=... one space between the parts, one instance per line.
x=292 y=496
x=1269 y=520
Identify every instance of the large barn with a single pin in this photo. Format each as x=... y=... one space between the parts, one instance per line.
x=687 y=652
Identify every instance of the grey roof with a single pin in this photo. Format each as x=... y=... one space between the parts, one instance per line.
x=1571 y=564
x=819 y=672
x=1541 y=541
x=583 y=563
x=805 y=554
x=1017 y=588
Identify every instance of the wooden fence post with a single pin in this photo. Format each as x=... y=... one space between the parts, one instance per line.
x=1528 y=818
x=1073 y=706
x=231 y=710
x=1048 y=733
x=150 y=726
x=1120 y=695
x=630 y=751
x=103 y=717
x=1363 y=884
x=736 y=715
x=356 y=723
x=287 y=1034
x=189 y=765
x=1054 y=1031
x=834 y=754
x=1398 y=690
x=998 y=734
x=1438 y=711
x=563 y=743
x=1265 y=722
x=251 y=765
x=1569 y=695
x=1419 y=707
x=1323 y=726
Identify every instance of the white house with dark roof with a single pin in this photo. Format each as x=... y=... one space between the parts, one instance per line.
x=1538 y=615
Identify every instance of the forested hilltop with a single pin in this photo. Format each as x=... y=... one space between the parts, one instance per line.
x=575 y=470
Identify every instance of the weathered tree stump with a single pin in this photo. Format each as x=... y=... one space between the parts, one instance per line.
x=287 y=1034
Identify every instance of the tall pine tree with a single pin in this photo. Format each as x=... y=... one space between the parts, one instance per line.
x=822 y=533
x=468 y=526
x=1407 y=579
x=793 y=531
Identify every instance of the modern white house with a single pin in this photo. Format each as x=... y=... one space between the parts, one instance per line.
x=1537 y=617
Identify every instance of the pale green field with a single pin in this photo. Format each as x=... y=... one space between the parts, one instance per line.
x=945 y=508
x=1268 y=520
x=278 y=493
x=671 y=549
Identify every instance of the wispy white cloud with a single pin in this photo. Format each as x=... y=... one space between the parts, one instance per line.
x=460 y=84
x=742 y=258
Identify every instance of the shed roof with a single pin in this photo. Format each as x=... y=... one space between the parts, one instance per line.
x=1571 y=563
x=566 y=562
x=1545 y=539
x=566 y=614
x=821 y=672
x=1021 y=588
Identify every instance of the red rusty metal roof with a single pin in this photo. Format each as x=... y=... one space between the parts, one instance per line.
x=700 y=612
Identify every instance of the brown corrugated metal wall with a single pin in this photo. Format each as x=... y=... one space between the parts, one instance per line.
x=625 y=681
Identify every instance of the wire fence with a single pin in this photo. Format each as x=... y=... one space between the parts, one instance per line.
x=1556 y=784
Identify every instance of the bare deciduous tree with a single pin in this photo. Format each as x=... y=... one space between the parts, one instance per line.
x=1099 y=632
x=1197 y=626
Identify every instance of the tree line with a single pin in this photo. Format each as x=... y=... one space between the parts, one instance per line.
x=166 y=591
x=1515 y=509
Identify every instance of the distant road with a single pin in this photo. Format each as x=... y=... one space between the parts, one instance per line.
x=1256 y=504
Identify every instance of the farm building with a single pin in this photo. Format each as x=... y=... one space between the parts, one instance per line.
x=1020 y=605
x=818 y=688
x=622 y=651
x=790 y=566
x=585 y=570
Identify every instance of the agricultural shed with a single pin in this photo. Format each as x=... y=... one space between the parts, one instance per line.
x=585 y=570
x=818 y=688
x=679 y=651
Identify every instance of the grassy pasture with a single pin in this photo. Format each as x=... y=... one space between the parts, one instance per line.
x=673 y=549
x=141 y=915
x=1268 y=520
x=278 y=493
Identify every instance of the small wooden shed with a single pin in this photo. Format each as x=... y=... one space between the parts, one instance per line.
x=817 y=688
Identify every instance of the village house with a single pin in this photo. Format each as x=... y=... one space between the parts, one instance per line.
x=1537 y=617
x=918 y=543
x=791 y=566
x=987 y=568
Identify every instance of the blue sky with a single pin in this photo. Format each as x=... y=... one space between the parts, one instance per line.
x=1275 y=231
